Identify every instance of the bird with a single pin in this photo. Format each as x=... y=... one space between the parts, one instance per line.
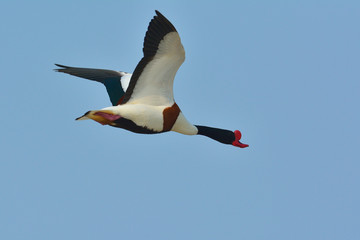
x=143 y=102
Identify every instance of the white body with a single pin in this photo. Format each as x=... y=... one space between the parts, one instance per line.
x=151 y=117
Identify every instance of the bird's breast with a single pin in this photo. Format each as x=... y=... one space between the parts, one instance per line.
x=155 y=118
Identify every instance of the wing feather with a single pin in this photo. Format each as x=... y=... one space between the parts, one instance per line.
x=153 y=78
x=98 y=75
x=115 y=82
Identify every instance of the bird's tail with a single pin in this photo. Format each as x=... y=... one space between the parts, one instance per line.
x=104 y=117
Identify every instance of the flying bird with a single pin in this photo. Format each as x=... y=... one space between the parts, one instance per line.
x=143 y=102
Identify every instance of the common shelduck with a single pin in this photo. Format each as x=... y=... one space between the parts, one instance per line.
x=143 y=102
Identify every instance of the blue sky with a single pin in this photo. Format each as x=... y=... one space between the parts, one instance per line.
x=286 y=73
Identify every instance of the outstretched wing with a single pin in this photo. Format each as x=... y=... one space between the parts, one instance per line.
x=115 y=82
x=153 y=78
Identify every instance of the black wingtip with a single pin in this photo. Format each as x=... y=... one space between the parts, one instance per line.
x=165 y=21
x=158 y=13
x=61 y=66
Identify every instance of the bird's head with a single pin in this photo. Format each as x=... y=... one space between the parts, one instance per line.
x=236 y=142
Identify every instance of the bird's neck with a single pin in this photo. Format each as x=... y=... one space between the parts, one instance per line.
x=220 y=135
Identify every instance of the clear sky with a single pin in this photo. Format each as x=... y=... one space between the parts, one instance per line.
x=285 y=73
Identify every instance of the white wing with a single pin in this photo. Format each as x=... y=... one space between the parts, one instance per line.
x=125 y=80
x=153 y=78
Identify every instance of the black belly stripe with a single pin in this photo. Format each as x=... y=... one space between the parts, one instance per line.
x=131 y=126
